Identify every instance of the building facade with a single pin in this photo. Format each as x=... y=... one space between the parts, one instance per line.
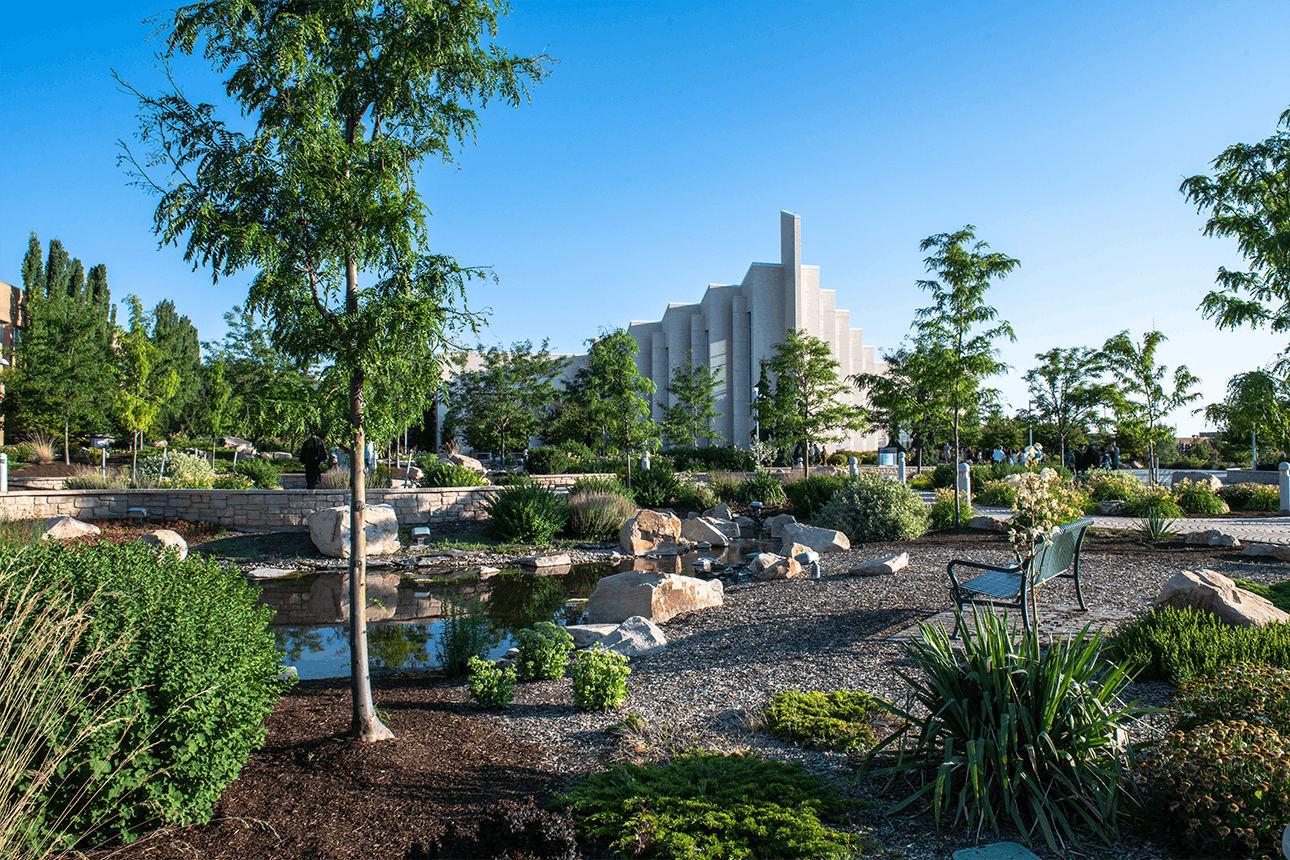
x=733 y=327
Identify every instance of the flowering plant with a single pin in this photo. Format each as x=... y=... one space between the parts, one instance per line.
x=1045 y=501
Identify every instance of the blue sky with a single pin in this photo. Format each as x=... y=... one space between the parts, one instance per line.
x=655 y=159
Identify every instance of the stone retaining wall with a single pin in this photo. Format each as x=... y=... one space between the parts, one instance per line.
x=1242 y=476
x=256 y=509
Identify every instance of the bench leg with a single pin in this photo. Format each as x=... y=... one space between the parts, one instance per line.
x=1079 y=593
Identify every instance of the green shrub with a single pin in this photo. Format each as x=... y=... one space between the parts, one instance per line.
x=181 y=470
x=183 y=707
x=1155 y=500
x=490 y=686
x=1198 y=498
x=695 y=496
x=724 y=486
x=921 y=482
x=1222 y=789
x=1106 y=484
x=528 y=514
x=598 y=514
x=1279 y=593
x=837 y=720
x=997 y=494
x=466 y=632
x=941 y=514
x=761 y=487
x=232 y=482
x=263 y=474
x=599 y=679
x=544 y=651
x=713 y=806
x=512 y=479
x=872 y=508
x=550 y=460
x=943 y=476
x=1259 y=695
x=1251 y=497
x=656 y=486
x=975 y=741
x=603 y=483
x=808 y=495
x=711 y=458
x=1178 y=645
x=21 y=452
x=441 y=473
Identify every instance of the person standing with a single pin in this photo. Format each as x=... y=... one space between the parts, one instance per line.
x=313 y=454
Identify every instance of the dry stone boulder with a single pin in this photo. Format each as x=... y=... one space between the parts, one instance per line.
x=550 y=559
x=720 y=512
x=636 y=635
x=1112 y=508
x=1196 y=478
x=704 y=530
x=1211 y=537
x=984 y=523
x=1268 y=550
x=66 y=528
x=656 y=596
x=586 y=635
x=813 y=537
x=242 y=446
x=469 y=462
x=165 y=539
x=1208 y=591
x=651 y=531
x=329 y=530
x=775 y=525
x=879 y=566
x=382 y=592
x=778 y=567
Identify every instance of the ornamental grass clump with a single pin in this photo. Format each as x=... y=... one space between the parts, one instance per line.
x=1198 y=498
x=1222 y=789
x=1104 y=485
x=838 y=720
x=1013 y=733
x=714 y=806
x=942 y=512
x=598 y=514
x=1153 y=500
x=997 y=494
x=873 y=508
x=761 y=487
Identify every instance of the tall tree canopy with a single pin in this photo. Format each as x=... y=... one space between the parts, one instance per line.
x=805 y=408
x=1066 y=390
x=1139 y=395
x=958 y=321
x=912 y=395
x=1248 y=198
x=1257 y=406
x=342 y=100
x=499 y=405
x=617 y=396
x=689 y=417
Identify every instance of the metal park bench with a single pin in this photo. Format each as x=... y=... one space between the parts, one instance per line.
x=1014 y=585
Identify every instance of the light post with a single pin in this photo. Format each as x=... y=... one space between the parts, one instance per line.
x=1030 y=413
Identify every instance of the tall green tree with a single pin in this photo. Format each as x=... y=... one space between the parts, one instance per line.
x=1248 y=198
x=693 y=409
x=806 y=406
x=1066 y=390
x=500 y=405
x=912 y=395
x=958 y=321
x=618 y=397
x=177 y=339
x=1257 y=406
x=145 y=385
x=62 y=380
x=1139 y=394
x=314 y=189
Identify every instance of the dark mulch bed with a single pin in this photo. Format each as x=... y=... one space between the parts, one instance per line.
x=313 y=793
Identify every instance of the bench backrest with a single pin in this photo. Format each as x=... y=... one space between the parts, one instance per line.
x=1056 y=555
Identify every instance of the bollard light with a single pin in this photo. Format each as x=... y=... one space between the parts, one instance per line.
x=1283 y=484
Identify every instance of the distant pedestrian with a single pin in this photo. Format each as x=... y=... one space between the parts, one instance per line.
x=313 y=454
x=1114 y=451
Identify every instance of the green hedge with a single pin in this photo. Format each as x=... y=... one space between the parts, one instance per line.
x=192 y=689
x=711 y=459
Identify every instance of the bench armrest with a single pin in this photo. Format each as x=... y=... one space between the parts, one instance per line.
x=976 y=565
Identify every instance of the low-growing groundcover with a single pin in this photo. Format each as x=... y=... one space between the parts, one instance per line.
x=836 y=720
x=713 y=806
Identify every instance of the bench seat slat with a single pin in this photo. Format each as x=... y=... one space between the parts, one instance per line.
x=998 y=583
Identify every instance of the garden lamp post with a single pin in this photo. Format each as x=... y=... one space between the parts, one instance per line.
x=1030 y=413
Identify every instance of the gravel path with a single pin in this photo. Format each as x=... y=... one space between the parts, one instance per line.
x=709 y=686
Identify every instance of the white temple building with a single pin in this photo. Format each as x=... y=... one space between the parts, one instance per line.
x=734 y=326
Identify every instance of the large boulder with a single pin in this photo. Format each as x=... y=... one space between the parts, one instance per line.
x=636 y=635
x=67 y=528
x=721 y=512
x=775 y=525
x=1196 y=478
x=704 y=530
x=651 y=531
x=329 y=530
x=1208 y=591
x=165 y=539
x=242 y=446
x=1112 y=507
x=469 y=462
x=880 y=566
x=768 y=566
x=818 y=539
x=656 y=596
x=1268 y=550
x=1211 y=537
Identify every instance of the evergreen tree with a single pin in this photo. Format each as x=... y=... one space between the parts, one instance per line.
x=176 y=338
x=689 y=418
x=57 y=271
x=33 y=270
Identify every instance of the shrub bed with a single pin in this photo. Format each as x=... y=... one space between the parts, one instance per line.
x=1179 y=645
x=873 y=508
x=809 y=495
x=526 y=514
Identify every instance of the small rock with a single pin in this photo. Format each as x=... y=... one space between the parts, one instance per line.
x=270 y=573
x=553 y=559
x=636 y=635
x=879 y=566
x=1112 y=508
x=745 y=522
x=1211 y=537
x=984 y=523
x=165 y=539
x=720 y=512
x=782 y=568
x=64 y=528
x=586 y=635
